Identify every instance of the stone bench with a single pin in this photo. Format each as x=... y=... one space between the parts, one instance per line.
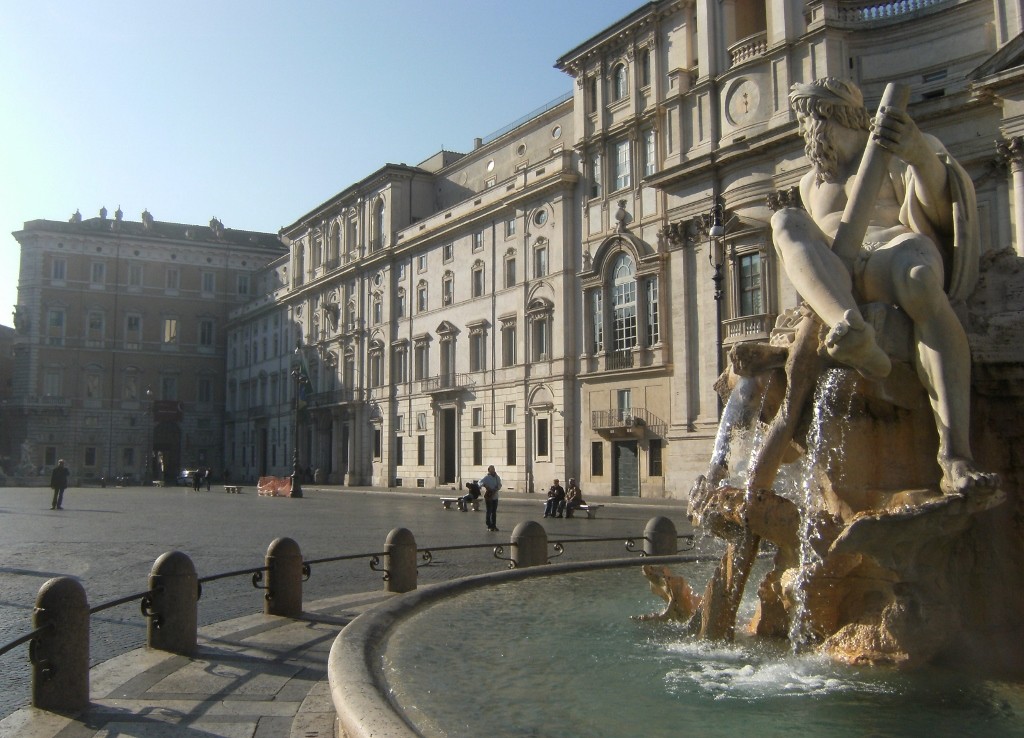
x=590 y=510
x=233 y=489
x=447 y=502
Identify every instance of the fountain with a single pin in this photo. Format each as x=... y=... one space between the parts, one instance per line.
x=891 y=544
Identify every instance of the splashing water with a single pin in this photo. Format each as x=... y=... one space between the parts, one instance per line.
x=816 y=465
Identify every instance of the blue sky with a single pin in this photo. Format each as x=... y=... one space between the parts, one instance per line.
x=256 y=111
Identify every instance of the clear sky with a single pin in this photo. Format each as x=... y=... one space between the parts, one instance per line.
x=255 y=111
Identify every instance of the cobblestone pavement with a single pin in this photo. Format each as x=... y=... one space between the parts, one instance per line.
x=109 y=539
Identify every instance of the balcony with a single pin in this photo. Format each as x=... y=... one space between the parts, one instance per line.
x=747 y=328
x=618 y=360
x=634 y=421
x=44 y=402
x=339 y=396
x=749 y=48
x=447 y=383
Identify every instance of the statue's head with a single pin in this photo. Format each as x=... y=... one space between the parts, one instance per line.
x=820 y=105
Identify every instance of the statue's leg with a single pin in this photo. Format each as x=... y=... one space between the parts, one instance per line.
x=825 y=283
x=909 y=273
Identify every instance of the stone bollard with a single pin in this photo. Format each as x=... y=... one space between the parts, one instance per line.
x=284 y=579
x=60 y=655
x=660 y=537
x=529 y=544
x=172 y=606
x=400 y=548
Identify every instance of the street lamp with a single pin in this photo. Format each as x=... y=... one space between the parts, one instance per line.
x=716 y=229
x=148 y=476
x=301 y=381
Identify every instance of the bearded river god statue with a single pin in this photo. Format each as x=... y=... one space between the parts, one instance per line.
x=881 y=555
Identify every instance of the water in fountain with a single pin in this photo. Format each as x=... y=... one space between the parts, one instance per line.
x=559 y=655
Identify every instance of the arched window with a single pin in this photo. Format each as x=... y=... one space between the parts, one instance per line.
x=620 y=87
x=378 y=226
x=624 y=303
x=334 y=247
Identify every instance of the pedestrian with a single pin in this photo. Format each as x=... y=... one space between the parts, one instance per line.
x=555 y=505
x=59 y=483
x=207 y=477
x=197 y=479
x=490 y=485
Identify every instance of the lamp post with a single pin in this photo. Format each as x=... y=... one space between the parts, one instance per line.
x=715 y=223
x=148 y=476
x=300 y=378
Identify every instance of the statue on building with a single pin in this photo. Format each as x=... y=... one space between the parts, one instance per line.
x=76 y=217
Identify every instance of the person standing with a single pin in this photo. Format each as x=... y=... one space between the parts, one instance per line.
x=58 y=483
x=207 y=477
x=490 y=485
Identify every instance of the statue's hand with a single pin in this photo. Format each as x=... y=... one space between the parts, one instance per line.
x=896 y=132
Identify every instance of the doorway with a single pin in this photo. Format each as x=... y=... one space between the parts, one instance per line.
x=448 y=457
x=626 y=469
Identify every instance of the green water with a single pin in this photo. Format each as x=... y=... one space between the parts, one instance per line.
x=560 y=656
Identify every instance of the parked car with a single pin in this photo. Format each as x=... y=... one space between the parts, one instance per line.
x=186 y=477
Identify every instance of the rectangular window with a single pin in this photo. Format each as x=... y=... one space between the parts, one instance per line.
x=135 y=275
x=400 y=304
x=59 y=270
x=170 y=333
x=595 y=177
x=55 y=326
x=510 y=227
x=50 y=456
x=99 y=274
x=168 y=388
x=399 y=423
x=90 y=456
x=510 y=447
x=478 y=417
x=598 y=317
x=654 y=458
x=204 y=390
x=172 y=279
x=206 y=333
x=597 y=458
x=127 y=457
x=542 y=438
x=508 y=345
x=510 y=414
x=242 y=285
x=477 y=351
x=399 y=451
x=510 y=272
x=650 y=156
x=421 y=298
x=622 y=178
x=478 y=448
x=478 y=241
x=448 y=252
x=540 y=262
x=94 y=329
x=750 y=285
x=399 y=368
x=52 y=382
x=421 y=263
x=592 y=95
x=421 y=358
x=421 y=450
x=478 y=282
x=541 y=349
x=447 y=290
x=209 y=284
x=378 y=443
x=653 y=328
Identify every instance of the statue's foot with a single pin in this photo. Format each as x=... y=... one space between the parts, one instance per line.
x=852 y=342
x=961 y=477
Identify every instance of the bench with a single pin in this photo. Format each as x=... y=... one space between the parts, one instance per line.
x=590 y=510
x=233 y=489
x=447 y=502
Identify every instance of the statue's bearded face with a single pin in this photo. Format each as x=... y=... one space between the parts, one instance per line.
x=819 y=145
x=818 y=119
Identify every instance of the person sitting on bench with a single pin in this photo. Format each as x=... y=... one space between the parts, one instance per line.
x=574 y=498
x=474 y=494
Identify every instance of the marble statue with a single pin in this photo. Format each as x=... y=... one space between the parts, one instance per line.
x=873 y=549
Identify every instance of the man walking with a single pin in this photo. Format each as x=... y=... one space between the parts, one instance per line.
x=58 y=483
x=490 y=485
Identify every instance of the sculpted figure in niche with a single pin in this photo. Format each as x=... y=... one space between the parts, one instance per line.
x=921 y=241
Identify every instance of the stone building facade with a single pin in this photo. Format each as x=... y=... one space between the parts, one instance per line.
x=552 y=302
x=120 y=349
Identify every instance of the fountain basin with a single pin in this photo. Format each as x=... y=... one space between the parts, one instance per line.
x=552 y=650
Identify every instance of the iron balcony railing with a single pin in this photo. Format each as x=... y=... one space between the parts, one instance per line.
x=634 y=417
x=447 y=382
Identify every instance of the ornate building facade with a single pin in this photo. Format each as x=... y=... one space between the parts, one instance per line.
x=556 y=302
x=120 y=349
